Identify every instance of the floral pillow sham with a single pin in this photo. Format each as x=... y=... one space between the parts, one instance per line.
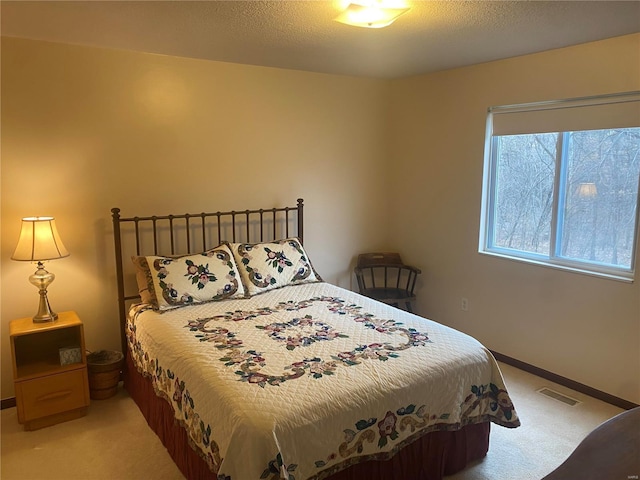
x=265 y=266
x=144 y=280
x=204 y=277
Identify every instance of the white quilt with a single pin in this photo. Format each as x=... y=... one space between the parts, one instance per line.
x=302 y=381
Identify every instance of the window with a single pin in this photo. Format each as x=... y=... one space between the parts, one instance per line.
x=561 y=184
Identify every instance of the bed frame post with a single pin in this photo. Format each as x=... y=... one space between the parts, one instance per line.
x=115 y=212
x=300 y=221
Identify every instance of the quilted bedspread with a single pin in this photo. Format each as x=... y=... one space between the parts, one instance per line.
x=305 y=380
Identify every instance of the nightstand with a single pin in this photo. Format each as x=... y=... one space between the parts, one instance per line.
x=49 y=370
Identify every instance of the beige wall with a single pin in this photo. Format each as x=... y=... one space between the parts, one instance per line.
x=90 y=129
x=581 y=327
x=87 y=129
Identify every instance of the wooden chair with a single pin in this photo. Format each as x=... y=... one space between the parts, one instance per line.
x=384 y=277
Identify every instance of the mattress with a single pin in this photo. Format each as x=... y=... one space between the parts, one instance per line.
x=306 y=380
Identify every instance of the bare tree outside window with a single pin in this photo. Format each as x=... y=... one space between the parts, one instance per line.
x=525 y=171
x=566 y=197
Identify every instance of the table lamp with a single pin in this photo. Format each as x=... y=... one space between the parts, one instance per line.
x=39 y=241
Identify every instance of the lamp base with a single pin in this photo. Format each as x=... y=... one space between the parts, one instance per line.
x=45 y=314
x=45 y=318
x=42 y=279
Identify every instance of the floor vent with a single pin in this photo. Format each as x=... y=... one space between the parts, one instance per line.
x=561 y=397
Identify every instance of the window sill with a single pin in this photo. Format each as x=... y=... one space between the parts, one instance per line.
x=558 y=266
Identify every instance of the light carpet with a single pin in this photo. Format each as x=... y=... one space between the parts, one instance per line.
x=113 y=442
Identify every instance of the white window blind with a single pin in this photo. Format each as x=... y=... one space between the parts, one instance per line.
x=606 y=112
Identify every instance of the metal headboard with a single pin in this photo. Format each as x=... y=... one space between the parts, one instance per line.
x=187 y=233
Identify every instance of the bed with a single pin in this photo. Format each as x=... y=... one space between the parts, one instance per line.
x=248 y=366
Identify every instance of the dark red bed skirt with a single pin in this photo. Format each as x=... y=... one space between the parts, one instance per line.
x=430 y=457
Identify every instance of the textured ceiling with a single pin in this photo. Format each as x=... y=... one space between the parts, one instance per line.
x=302 y=35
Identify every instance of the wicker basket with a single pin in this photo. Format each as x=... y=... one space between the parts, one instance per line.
x=104 y=373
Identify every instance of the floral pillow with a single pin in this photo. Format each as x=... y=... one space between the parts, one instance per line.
x=144 y=280
x=204 y=277
x=265 y=266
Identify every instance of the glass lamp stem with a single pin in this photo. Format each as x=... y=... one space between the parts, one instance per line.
x=42 y=279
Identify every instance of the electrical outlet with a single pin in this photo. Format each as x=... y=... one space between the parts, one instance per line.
x=464 y=304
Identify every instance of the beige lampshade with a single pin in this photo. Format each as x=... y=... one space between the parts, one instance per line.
x=39 y=240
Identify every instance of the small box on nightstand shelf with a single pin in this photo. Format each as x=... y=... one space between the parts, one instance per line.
x=70 y=355
x=49 y=370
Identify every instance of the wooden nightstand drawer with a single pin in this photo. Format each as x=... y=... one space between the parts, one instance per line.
x=52 y=394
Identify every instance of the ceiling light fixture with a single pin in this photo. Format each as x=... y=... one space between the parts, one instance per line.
x=371 y=14
x=588 y=190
